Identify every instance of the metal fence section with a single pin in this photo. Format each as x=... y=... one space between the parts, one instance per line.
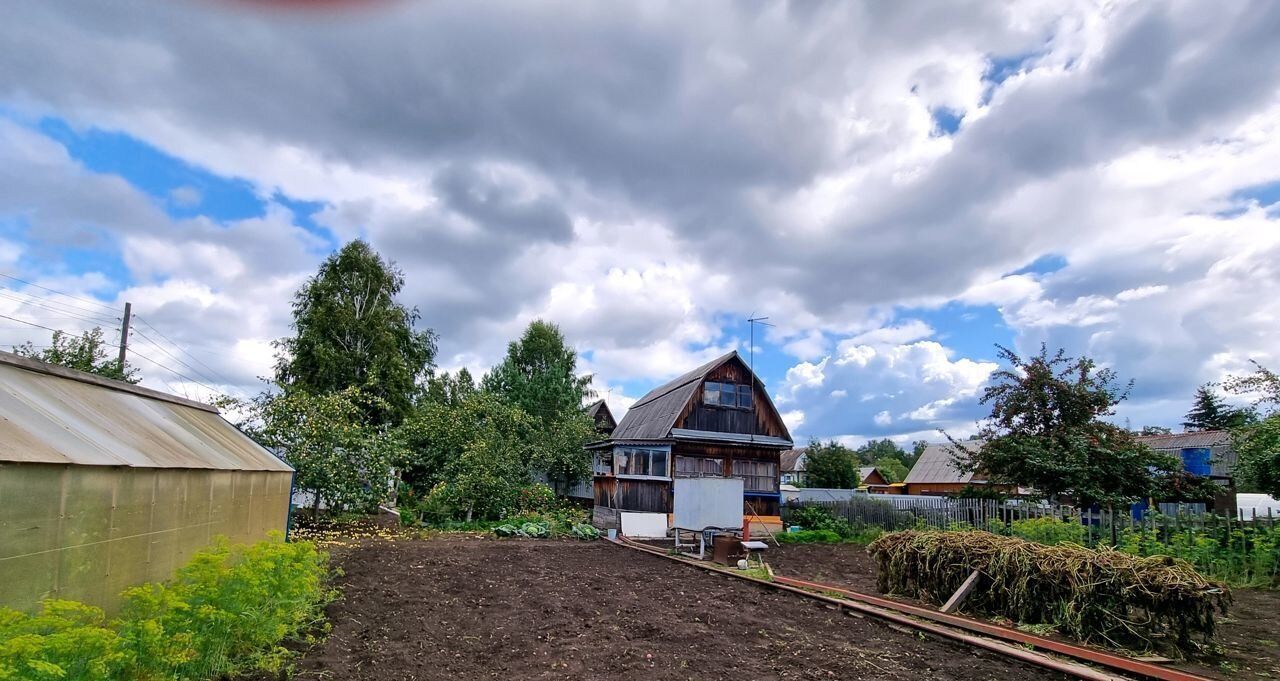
x=1104 y=526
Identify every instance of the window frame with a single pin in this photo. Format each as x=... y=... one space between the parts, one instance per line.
x=775 y=477
x=736 y=392
x=620 y=453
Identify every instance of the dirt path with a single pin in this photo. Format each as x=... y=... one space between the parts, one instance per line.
x=1250 y=633
x=452 y=608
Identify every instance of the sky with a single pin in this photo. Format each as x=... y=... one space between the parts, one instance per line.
x=897 y=187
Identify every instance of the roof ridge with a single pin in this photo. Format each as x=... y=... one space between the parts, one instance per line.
x=683 y=379
x=37 y=366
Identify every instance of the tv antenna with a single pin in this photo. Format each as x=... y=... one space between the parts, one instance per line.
x=751 y=364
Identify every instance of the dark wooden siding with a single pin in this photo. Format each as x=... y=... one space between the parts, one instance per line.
x=762 y=419
x=761 y=506
x=633 y=495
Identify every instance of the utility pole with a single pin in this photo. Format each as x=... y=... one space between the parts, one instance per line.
x=124 y=333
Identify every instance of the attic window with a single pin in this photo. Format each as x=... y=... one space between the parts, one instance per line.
x=727 y=395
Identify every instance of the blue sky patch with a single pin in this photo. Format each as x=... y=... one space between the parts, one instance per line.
x=162 y=176
x=1045 y=264
x=946 y=120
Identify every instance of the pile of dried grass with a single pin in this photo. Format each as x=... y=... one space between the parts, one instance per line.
x=1102 y=595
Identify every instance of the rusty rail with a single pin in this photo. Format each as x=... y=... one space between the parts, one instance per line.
x=1002 y=640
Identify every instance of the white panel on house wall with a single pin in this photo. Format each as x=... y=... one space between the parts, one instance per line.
x=644 y=525
x=708 y=502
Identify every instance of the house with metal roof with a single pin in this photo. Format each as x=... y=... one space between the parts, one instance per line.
x=936 y=474
x=105 y=485
x=792 y=462
x=714 y=421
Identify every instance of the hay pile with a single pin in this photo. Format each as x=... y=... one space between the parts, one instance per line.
x=1101 y=596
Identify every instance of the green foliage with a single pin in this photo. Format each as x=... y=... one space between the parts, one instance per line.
x=821 y=522
x=1258 y=443
x=1047 y=432
x=809 y=537
x=1240 y=554
x=66 y=640
x=879 y=449
x=539 y=376
x=892 y=469
x=559 y=519
x=351 y=333
x=87 y=352
x=831 y=465
x=225 y=613
x=1210 y=412
x=1048 y=530
x=337 y=457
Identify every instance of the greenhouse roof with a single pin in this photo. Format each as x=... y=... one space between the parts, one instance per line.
x=50 y=414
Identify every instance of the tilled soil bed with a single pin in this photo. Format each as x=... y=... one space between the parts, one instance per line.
x=469 y=608
x=1249 y=635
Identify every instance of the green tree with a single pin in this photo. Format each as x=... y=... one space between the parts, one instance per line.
x=475 y=454
x=350 y=332
x=342 y=461
x=539 y=375
x=879 y=449
x=892 y=469
x=1211 y=412
x=1047 y=432
x=1257 y=443
x=830 y=464
x=1154 y=430
x=87 y=352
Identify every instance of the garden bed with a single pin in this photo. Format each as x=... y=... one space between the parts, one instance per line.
x=449 y=607
x=1250 y=634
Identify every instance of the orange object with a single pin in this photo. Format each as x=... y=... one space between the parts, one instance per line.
x=746 y=529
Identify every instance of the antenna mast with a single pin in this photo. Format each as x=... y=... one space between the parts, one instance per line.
x=751 y=363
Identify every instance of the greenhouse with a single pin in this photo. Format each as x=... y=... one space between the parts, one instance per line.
x=105 y=485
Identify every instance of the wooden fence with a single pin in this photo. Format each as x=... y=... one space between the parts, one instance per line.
x=898 y=512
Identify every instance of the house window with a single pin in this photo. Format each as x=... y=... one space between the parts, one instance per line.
x=698 y=467
x=757 y=476
x=650 y=463
x=603 y=463
x=727 y=394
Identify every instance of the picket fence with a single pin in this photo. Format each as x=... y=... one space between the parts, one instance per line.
x=900 y=512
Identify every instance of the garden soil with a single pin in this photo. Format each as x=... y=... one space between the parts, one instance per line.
x=1249 y=634
x=481 y=608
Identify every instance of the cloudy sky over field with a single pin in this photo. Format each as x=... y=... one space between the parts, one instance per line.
x=897 y=186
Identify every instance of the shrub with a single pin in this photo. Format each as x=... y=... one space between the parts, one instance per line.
x=1050 y=531
x=1092 y=595
x=809 y=537
x=226 y=612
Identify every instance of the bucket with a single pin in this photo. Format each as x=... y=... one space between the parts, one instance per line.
x=613 y=533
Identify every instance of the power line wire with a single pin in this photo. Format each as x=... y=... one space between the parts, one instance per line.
x=50 y=290
x=49 y=305
x=38 y=326
x=179 y=374
x=218 y=377
x=161 y=348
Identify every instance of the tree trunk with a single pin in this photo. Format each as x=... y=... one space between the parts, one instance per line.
x=315 y=504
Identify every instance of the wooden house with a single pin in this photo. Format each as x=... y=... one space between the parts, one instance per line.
x=599 y=412
x=715 y=421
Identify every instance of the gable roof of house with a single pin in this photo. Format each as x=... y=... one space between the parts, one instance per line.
x=866 y=472
x=654 y=416
x=792 y=461
x=936 y=467
x=51 y=414
x=1202 y=438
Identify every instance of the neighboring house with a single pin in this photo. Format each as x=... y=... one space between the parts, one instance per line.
x=105 y=485
x=870 y=479
x=792 y=463
x=1205 y=452
x=715 y=421
x=935 y=473
x=599 y=412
